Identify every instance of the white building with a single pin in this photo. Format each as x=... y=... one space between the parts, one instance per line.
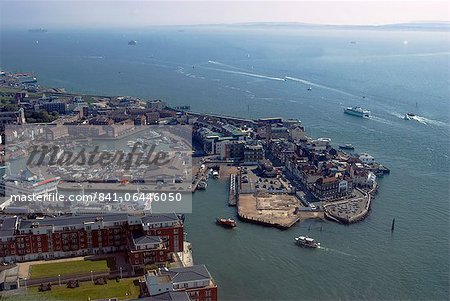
x=366 y=158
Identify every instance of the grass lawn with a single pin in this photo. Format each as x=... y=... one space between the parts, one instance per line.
x=53 y=269
x=89 y=290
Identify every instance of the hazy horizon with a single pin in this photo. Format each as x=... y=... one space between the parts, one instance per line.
x=102 y=14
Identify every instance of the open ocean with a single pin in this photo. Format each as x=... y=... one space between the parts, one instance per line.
x=241 y=71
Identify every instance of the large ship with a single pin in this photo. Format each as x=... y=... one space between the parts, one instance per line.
x=308 y=242
x=357 y=111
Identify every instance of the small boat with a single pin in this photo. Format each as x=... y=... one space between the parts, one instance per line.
x=309 y=88
x=409 y=116
x=305 y=241
x=347 y=146
x=226 y=222
x=215 y=174
x=202 y=185
x=132 y=43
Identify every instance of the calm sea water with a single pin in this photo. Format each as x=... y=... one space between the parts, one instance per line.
x=241 y=72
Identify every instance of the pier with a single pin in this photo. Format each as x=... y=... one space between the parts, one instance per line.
x=232 y=198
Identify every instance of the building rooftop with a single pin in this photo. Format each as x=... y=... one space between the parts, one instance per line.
x=192 y=273
x=159 y=218
x=7 y=226
x=146 y=239
x=167 y=296
x=73 y=220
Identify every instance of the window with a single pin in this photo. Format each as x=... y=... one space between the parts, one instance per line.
x=208 y=293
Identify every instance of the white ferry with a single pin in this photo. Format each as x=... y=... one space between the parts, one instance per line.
x=306 y=241
x=357 y=111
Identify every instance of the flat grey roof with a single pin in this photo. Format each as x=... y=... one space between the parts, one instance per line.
x=160 y=218
x=7 y=226
x=167 y=296
x=146 y=239
x=73 y=220
x=192 y=273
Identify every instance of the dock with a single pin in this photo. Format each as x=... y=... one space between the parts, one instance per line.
x=233 y=195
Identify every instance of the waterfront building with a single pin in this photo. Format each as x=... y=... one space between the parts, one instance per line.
x=297 y=133
x=152 y=117
x=157 y=104
x=56 y=132
x=276 y=132
x=230 y=149
x=270 y=120
x=366 y=158
x=118 y=129
x=195 y=280
x=253 y=153
x=146 y=239
x=330 y=188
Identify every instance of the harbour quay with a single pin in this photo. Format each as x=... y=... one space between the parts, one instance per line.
x=284 y=176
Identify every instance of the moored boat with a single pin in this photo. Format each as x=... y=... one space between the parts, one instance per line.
x=305 y=241
x=347 y=146
x=202 y=185
x=226 y=222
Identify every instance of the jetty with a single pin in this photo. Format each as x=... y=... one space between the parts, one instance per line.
x=233 y=195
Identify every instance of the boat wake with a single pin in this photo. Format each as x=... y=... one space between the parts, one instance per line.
x=381 y=120
x=247 y=74
x=336 y=251
x=225 y=65
x=307 y=82
x=180 y=70
x=94 y=57
x=423 y=120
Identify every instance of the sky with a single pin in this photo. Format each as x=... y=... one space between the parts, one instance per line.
x=133 y=14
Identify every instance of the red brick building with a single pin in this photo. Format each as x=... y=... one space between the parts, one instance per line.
x=147 y=239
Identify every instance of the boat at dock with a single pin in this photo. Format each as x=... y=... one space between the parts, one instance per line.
x=202 y=185
x=305 y=241
x=226 y=222
x=347 y=146
x=357 y=111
